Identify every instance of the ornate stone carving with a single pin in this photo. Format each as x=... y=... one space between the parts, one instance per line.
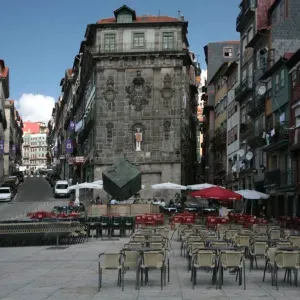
x=167 y=128
x=109 y=131
x=110 y=93
x=167 y=91
x=138 y=134
x=138 y=93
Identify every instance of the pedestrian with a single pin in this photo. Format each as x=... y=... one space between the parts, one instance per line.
x=113 y=202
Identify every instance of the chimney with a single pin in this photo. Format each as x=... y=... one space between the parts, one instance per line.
x=179 y=14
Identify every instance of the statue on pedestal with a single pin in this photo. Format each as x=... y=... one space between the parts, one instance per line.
x=138 y=140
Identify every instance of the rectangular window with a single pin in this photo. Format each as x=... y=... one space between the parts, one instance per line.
x=227 y=51
x=168 y=40
x=282 y=10
x=138 y=40
x=109 y=42
x=277 y=82
x=294 y=79
x=282 y=78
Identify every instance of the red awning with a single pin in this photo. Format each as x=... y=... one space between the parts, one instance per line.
x=216 y=193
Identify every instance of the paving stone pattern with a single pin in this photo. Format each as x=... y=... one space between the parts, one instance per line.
x=41 y=273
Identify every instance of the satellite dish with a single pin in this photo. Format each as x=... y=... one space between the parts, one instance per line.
x=233 y=169
x=241 y=152
x=249 y=156
x=261 y=90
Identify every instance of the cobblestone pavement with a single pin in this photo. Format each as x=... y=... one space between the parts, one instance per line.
x=41 y=273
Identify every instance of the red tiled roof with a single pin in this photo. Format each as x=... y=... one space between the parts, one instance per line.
x=31 y=127
x=141 y=19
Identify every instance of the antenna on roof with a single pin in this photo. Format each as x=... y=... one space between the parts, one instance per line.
x=159 y=12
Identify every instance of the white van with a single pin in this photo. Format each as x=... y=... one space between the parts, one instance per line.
x=61 y=189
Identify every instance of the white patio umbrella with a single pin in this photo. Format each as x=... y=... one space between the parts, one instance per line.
x=252 y=195
x=98 y=182
x=85 y=185
x=168 y=186
x=200 y=186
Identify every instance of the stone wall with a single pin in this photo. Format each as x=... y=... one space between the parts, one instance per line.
x=145 y=93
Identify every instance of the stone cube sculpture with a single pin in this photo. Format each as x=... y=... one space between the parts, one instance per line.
x=122 y=180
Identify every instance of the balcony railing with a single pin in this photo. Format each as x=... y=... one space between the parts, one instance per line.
x=219 y=140
x=219 y=167
x=147 y=47
x=245 y=15
x=295 y=140
x=280 y=178
x=277 y=138
x=256 y=107
x=245 y=87
x=246 y=130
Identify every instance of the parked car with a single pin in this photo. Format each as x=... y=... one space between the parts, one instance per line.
x=53 y=180
x=20 y=175
x=14 y=178
x=61 y=189
x=12 y=185
x=6 y=194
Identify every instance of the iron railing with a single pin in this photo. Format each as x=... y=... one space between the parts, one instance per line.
x=280 y=178
x=245 y=87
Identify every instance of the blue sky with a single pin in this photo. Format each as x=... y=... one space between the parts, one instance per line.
x=40 y=38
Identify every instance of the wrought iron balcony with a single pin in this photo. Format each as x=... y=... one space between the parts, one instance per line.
x=219 y=167
x=280 y=178
x=246 y=130
x=277 y=138
x=244 y=88
x=295 y=140
x=146 y=48
x=256 y=107
x=219 y=140
x=246 y=14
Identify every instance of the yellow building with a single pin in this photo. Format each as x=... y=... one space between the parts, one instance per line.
x=219 y=141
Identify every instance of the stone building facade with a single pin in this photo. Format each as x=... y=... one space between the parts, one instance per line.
x=145 y=104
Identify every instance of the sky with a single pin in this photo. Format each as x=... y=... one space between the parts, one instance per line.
x=40 y=38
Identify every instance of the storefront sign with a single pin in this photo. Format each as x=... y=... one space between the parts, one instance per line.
x=79 y=159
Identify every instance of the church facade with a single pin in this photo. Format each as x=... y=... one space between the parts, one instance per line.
x=145 y=104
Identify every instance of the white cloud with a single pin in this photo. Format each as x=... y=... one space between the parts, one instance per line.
x=203 y=77
x=35 y=107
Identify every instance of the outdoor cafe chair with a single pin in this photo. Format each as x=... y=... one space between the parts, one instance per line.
x=130 y=261
x=203 y=259
x=270 y=263
x=243 y=241
x=288 y=260
x=257 y=249
x=275 y=234
x=154 y=260
x=111 y=261
x=295 y=240
x=192 y=247
x=230 y=234
x=184 y=243
x=236 y=260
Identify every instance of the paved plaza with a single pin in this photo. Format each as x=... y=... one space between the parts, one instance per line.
x=41 y=273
